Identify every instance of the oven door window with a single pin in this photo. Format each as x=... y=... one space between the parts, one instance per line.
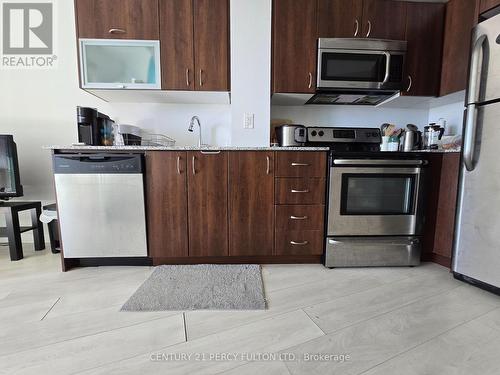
x=363 y=67
x=378 y=194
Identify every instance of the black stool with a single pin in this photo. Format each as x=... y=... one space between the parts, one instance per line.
x=13 y=230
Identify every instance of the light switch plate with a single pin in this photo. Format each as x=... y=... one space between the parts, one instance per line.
x=248 y=120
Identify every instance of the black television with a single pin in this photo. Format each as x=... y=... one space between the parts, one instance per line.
x=10 y=184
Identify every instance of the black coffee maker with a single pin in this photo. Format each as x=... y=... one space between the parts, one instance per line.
x=94 y=128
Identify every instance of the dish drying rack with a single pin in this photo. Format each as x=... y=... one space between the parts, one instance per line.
x=149 y=139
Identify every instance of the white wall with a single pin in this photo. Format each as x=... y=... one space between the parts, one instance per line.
x=39 y=108
x=452 y=112
x=173 y=120
x=250 y=70
x=357 y=116
x=424 y=111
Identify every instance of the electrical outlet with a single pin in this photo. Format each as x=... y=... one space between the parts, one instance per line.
x=248 y=120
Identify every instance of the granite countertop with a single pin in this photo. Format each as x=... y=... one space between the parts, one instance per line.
x=213 y=148
x=440 y=150
x=181 y=148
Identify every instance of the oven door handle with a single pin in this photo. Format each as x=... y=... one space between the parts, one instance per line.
x=375 y=162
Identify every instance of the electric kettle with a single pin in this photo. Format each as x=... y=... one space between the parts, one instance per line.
x=411 y=139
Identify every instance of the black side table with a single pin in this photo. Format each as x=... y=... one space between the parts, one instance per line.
x=13 y=230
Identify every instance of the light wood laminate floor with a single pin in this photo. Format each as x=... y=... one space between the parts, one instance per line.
x=379 y=321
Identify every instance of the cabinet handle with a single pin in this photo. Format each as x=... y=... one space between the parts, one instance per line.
x=300 y=165
x=300 y=191
x=117 y=31
x=310 y=80
x=268 y=165
x=369 y=29
x=178 y=165
x=201 y=77
x=210 y=152
x=356 y=31
x=192 y=164
x=298 y=217
x=303 y=243
x=187 y=77
x=409 y=84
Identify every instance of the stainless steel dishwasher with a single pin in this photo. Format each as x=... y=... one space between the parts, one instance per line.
x=100 y=199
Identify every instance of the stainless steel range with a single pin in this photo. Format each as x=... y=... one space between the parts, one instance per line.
x=374 y=200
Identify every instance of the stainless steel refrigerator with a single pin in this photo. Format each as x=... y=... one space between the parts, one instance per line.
x=476 y=256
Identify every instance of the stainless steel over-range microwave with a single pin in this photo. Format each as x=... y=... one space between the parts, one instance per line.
x=363 y=64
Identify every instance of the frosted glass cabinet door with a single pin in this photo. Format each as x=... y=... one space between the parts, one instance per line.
x=120 y=64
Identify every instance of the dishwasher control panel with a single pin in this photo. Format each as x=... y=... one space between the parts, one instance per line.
x=97 y=164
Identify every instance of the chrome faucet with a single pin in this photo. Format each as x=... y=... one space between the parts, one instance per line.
x=191 y=128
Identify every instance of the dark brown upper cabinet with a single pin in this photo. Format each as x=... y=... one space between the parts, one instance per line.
x=384 y=19
x=251 y=203
x=424 y=33
x=461 y=17
x=381 y=19
x=176 y=43
x=211 y=45
x=485 y=5
x=294 y=46
x=194 y=37
x=117 y=19
x=340 y=18
x=208 y=203
x=166 y=195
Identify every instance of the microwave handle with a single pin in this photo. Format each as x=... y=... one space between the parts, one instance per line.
x=387 y=67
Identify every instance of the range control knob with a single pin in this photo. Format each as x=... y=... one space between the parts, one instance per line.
x=313 y=133
x=321 y=133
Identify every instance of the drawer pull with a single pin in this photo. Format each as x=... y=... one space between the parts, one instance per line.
x=298 y=217
x=303 y=243
x=117 y=31
x=300 y=191
x=300 y=165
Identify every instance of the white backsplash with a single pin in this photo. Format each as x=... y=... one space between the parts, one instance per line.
x=356 y=116
x=450 y=108
x=452 y=112
x=173 y=120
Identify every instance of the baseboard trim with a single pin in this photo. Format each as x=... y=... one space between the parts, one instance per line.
x=436 y=258
x=277 y=259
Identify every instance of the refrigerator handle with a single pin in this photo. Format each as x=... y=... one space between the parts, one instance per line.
x=476 y=70
x=470 y=136
x=472 y=98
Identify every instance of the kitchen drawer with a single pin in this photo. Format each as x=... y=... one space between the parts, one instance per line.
x=300 y=217
x=299 y=190
x=305 y=242
x=300 y=164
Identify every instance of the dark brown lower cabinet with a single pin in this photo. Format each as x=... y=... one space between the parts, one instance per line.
x=208 y=203
x=442 y=185
x=251 y=203
x=166 y=197
x=305 y=242
x=221 y=207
